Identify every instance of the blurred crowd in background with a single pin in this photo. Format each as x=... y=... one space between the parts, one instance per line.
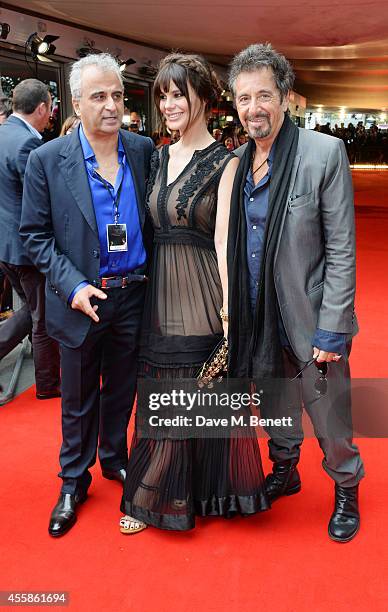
x=369 y=146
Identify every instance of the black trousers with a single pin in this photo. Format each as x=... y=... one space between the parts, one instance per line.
x=330 y=416
x=98 y=389
x=29 y=284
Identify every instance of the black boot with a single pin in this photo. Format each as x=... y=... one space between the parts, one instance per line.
x=345 y=520
x=284 y=480
x=118 y=475
x=64 y=515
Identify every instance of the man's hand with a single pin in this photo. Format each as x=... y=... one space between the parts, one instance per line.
x=320 y=356
x=81 y=301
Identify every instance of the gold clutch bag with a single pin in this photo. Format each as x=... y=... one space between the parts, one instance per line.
x=214 y=366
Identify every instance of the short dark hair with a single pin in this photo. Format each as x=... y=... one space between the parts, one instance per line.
x=256 y=57
x=5 y=106
x=184 y=68
x=28 y=94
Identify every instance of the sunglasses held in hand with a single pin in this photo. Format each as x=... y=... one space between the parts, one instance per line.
x=321 y=382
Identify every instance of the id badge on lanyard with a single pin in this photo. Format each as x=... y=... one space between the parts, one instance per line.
x=116 y=233
x=116 y=236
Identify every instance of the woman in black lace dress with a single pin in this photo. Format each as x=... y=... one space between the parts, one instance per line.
x=169 y=481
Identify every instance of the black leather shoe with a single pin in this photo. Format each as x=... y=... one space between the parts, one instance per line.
x=48 y=394
x=284 y=480
x=345 y=520
x=118 y=475
x=64 y=516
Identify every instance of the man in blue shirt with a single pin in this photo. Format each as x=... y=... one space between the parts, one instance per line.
x=292 y=277
x=84 y=226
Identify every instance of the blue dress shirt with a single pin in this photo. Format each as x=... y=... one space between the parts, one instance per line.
x=118 y=263
x=256 y=199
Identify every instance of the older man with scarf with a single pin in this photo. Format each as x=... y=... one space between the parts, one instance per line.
x=291 y=260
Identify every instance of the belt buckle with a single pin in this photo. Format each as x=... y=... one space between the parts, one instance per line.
x=105 y=281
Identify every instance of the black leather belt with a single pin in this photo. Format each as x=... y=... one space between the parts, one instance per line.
x=119 y=282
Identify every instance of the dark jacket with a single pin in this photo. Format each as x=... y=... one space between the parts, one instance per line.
x=59 y=228
x=16 y=143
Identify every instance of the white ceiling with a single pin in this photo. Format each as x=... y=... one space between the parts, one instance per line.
x=339 y=49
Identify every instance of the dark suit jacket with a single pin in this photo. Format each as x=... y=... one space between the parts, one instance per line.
x=59 y=228
x=16 y=143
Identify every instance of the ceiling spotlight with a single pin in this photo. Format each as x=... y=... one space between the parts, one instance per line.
x=41 y=46
x=128 y=62
x=5 y=29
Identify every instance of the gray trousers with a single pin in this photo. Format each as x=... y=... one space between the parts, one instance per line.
x=330 y=416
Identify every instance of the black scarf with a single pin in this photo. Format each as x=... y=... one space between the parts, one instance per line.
x=254 y=343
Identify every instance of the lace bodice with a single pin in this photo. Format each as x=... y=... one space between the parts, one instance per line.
x=189 y=202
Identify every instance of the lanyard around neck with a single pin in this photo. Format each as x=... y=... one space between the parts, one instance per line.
x=115 y=198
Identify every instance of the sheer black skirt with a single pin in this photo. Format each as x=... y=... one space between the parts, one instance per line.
x=170 y=481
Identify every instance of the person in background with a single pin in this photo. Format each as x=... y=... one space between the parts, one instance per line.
x=217 y=134
x=69 y=125
x=5 y=286
x=51 y=130
x=242 y=137
x=5 y=109
x=135 y=123
x=227 y=141
x=20 y=135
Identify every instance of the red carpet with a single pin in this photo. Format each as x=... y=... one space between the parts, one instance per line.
x=280 y=561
